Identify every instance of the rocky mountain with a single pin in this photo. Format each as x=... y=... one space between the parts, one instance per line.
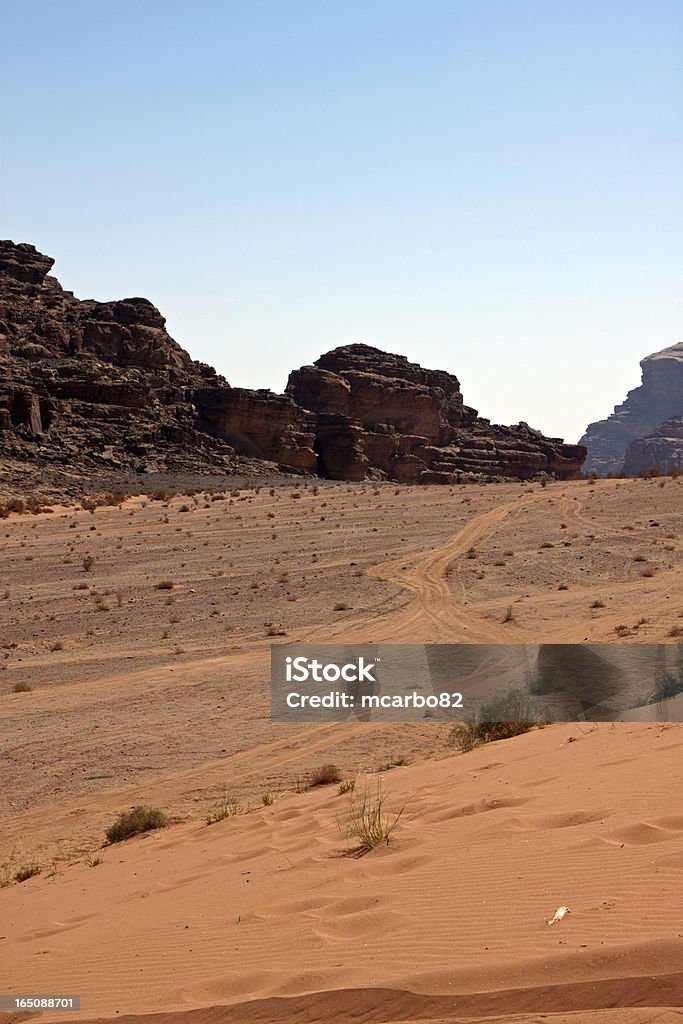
x=636 y=436
x=98 y=388
x=661 y=451
x=89 y=387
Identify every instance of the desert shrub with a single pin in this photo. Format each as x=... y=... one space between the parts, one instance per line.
x=396 y=762
x=6 y=874
x=511 y=714
x=347 y=786
x=227 y=806
x=28 y=871
x=115 y=498
x=164 y=585
x=668 y=684
x=134 y=822
x=272 y=630
x=21 y=688
x=368 y=821
x=34 y=504
x=325 y=775
x=341 y=606
x=267 y=799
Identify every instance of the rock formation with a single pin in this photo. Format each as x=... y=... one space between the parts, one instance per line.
x=100 y=387
x=661 y=451
x=658 y=398
x=380 y=415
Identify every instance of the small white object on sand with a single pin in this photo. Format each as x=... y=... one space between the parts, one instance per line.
x=558 y=915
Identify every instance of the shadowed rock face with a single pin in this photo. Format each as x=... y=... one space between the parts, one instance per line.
x=662 y=451
x=102 y=385
x=87 y=385
x=659 y=398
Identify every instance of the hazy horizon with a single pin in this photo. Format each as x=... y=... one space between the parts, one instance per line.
x=492 y=189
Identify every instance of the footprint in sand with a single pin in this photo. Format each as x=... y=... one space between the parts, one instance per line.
x=565 y=819
x=480 y=807
x=58 y=928
x=643 y=833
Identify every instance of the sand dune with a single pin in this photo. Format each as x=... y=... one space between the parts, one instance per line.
x=265 y=916
x=264 y=913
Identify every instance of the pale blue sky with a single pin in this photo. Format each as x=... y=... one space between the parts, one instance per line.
x=491 y=187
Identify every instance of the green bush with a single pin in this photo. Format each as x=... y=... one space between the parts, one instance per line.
x=134 y=822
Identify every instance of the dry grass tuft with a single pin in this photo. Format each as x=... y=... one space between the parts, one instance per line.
x=227 y=807
x=28 y=871
x=368 y=821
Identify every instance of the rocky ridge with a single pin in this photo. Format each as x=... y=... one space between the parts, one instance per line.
x=92 y=387
x=641 y=433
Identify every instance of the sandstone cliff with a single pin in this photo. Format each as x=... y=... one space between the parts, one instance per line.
x=661 y=451
x=93 y=387
x=658 y=398
x=380 y=415
x=88 y=387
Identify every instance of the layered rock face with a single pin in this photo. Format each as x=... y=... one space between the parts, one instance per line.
x=662 y=451
x=102 y=386
x=659 y=398
x=88 y=386
x=380 y=415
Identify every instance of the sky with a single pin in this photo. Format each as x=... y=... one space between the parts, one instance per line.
x=490 y=187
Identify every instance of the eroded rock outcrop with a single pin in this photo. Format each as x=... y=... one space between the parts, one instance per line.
x=661 y=452
x=102 y=386
x=659 y=398
x=381 y=415
x=91 y=386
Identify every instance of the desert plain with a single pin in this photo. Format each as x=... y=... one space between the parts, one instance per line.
x=134 y=669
